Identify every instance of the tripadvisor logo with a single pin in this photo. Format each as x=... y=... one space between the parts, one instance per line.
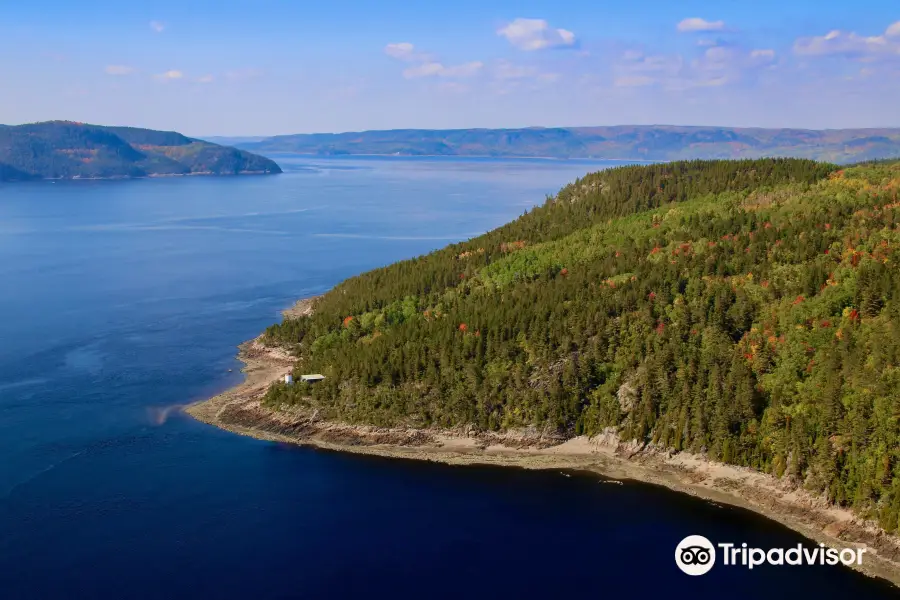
x=696 y=555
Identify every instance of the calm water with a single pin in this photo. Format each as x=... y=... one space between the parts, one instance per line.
x=119 y=299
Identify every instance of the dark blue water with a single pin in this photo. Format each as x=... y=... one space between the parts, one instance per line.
x=119 y=299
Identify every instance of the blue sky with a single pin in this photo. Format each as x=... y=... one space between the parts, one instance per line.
x=265 y=67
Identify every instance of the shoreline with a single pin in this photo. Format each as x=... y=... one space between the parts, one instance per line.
x=147 y=176
x=511 y=156
x=239 y=410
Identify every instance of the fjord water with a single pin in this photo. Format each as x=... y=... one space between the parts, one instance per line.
x=123 y=299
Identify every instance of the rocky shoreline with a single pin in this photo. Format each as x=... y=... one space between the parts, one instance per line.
x=240 y=410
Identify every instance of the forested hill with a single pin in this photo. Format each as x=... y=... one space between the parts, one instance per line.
x=67 y=150
x=632 y=142
x=746 y=310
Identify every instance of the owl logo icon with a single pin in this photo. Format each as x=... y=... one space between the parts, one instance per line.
x=695 y=555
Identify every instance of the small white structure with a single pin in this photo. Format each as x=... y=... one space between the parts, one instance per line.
x=312 y=377
x=288 y=379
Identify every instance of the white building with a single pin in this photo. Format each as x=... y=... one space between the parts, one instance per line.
x=312 y=377
x=288 y=379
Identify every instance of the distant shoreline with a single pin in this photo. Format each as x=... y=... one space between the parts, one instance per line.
x=148 y=176
x=641 y=142
x=239 y=410
x=515 y=157
x=41 y=151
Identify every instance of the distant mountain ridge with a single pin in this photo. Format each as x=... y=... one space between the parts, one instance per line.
x=637 y=142
x=69 y=150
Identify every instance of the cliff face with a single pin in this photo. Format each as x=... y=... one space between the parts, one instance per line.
x=66 y=150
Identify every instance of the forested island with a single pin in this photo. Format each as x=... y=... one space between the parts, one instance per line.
x=629 y=142
x=68 y=150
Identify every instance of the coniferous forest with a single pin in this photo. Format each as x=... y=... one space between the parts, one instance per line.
x=745 y=310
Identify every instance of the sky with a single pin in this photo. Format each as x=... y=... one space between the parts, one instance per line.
x=267 y=67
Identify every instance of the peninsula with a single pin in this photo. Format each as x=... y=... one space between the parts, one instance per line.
x=730 y=329
x=68 y=150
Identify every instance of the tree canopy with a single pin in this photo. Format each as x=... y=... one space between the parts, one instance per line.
x=746 y=310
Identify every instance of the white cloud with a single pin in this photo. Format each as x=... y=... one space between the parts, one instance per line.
x=508 y=70
x=714 y=66
x=717 y=55
x=424 y=70
x=536 y=34
x=636 y=69
x=169 y=75
x=157 y=26
x=508 y=76
x=436 y=69
x=118 y=70
x=465 y=70
x=763 y=54
x=851 y=44
x=206 y=79
x=658 y=64
x=401 y=51
x=425 y=65
x=761 y=58
x=698 y=24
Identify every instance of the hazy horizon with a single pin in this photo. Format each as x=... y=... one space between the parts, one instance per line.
x=250 y=136
x=712 y=126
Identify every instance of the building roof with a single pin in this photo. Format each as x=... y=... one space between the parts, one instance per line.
x=312 y=377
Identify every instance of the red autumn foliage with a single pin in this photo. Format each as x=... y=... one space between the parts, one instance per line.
x=463 y=327
x=564 y=272
x=511 y=246
x=854 y=315
x=798 y=300
x=651 y=295
x=660 y=328
x=347 y=321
